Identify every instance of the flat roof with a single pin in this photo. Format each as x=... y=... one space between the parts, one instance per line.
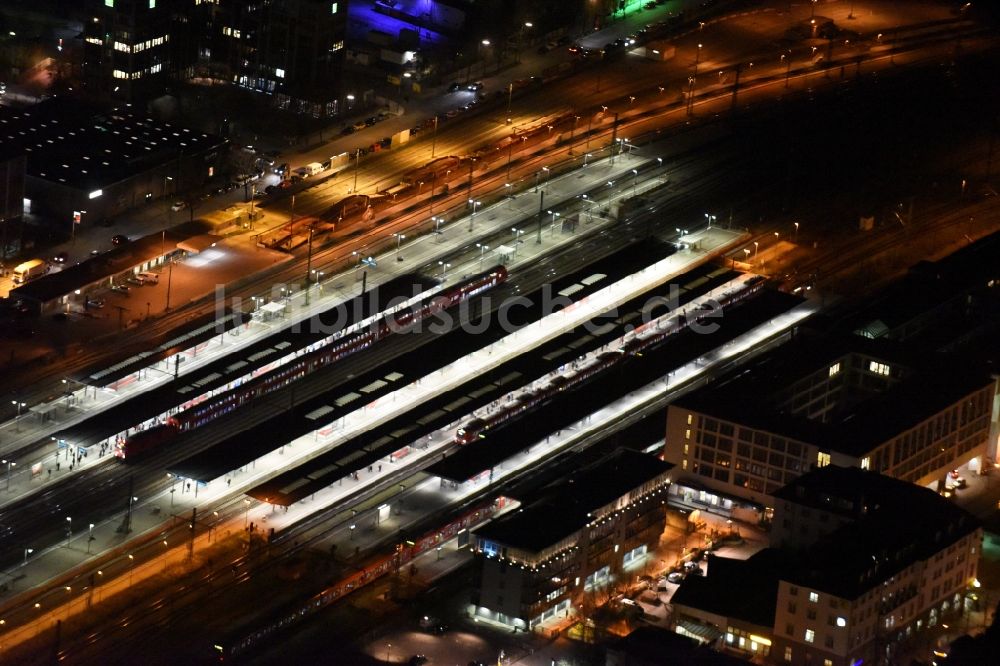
x=566 y=407
x=897 y=524
x=222 y=370
x=558 y=511
x=747 y=396
x=88 y=147
x=106 y=265
x=756 y=578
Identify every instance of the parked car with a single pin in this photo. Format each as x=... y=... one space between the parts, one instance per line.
x=370 y=121
x=178 y=205
x=360 y=125
x=119 y=239
x=675 y=577
x=60 y=258
x=120 y=288
x=347 y=130
x=95 y=303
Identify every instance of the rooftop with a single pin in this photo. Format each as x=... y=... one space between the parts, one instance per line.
x=561 y=509
x=107 y=264
x=901 y=523
x=88 y=148
x=749 y=396
x=756 y=578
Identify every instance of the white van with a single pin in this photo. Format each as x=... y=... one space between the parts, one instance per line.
x=149 y=278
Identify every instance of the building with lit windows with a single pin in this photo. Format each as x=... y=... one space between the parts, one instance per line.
x=292 y=50
x=128 y=52
x=826 y=400
x=578 y=537
x=888 y=560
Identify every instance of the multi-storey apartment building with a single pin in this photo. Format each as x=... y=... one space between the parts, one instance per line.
x=289 y=49
x=571 y=539
x=813 y=402
x=890 y=559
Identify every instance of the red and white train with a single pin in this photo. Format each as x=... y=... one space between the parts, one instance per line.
x=223 y=403
x=477 y=427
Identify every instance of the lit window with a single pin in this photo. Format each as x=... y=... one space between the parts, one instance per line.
x=152 y=4
x=337 y=46
x=866 y=463
x=687 y=433
x=109 y=3
x=810 y=635
x=333 y=8
x=788 y=653
x=878 y=368
x=827 y=662
x=822 y=459
x=280 y=73
x=834 y=369
x=813 y=597
x=841 y=621
x=684 y=464
x=690 y=419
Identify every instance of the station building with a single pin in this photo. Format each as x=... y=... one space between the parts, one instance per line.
x=860 y=563
x=578 y=536
x=822 y=400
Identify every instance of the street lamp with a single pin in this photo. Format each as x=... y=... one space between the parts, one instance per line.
x=17 y=420
x=399 y=240
x=69 y=530
x=246 y=516
x=796 y=232
x=472 y=218
x=635 y=180
x=697 y=59
x=482 y=252
x=444 y=268
x=131 y=568
x=27 y=551
x=437 y=224
x=552 y=229
x=756 y=249
x=9 y=463
x=517 y=237
x=710 y=218
x=90 y=537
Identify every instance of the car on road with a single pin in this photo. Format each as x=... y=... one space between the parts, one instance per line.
x=650 y=5
x=178 y=205
x=475 y=87
x=95 y=303
x=358 y=126
x=120 y=288
x=675 y=577
x=60 y=258
x=119 y=239
x=370 y=121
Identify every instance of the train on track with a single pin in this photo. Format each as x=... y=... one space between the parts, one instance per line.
x=478 y=427
x=222 y=403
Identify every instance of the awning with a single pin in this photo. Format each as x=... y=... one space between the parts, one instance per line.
x=739 y=501
x=198 y=244
x=272 y=307
x=706 y=632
